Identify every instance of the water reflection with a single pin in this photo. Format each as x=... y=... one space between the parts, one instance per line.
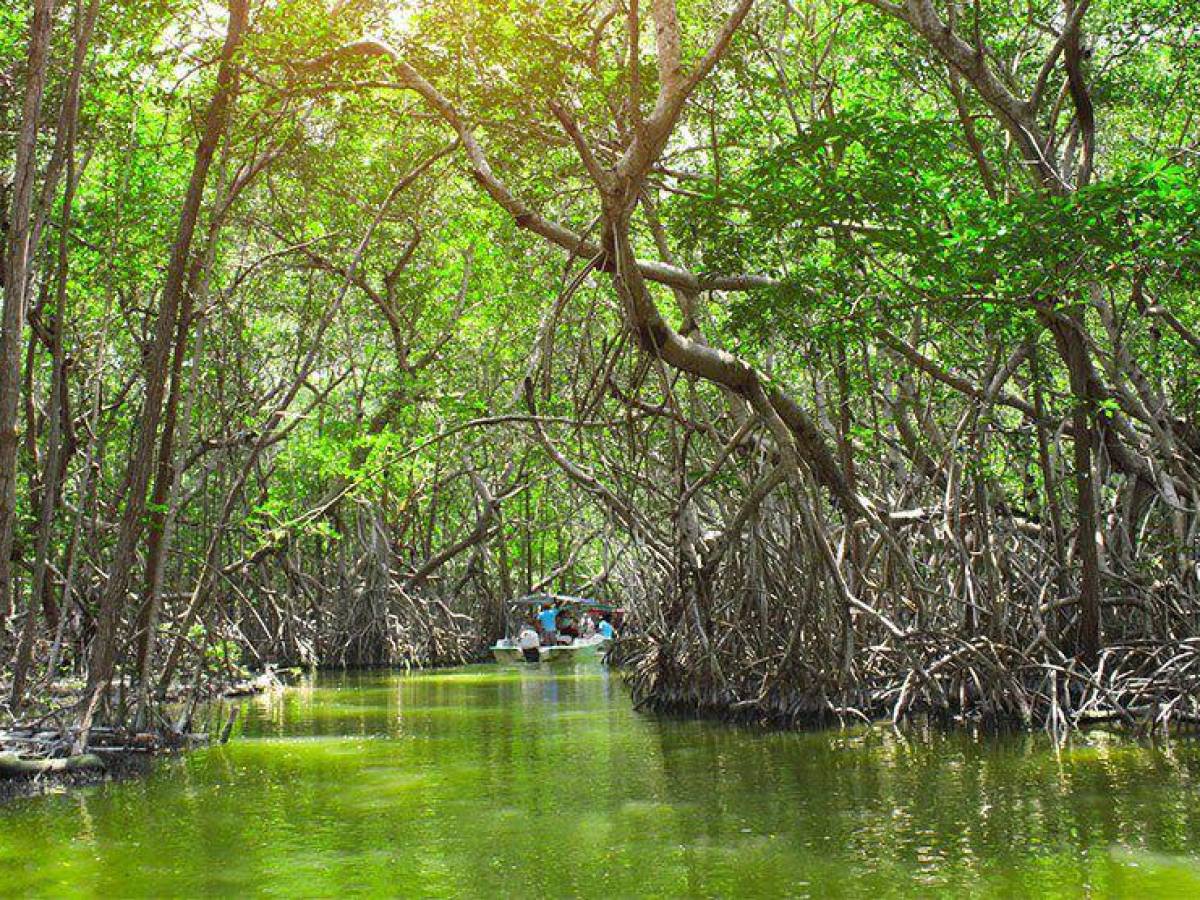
x=484 y=782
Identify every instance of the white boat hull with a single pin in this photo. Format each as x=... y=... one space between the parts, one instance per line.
x=511 y=654
x=506 y=651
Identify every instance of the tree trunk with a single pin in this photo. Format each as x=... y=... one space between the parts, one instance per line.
x=1067 y=329
x=16 y=274
x=64 y=148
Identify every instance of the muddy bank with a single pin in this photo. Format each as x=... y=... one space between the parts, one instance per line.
x=113 y=767
x=41 y=753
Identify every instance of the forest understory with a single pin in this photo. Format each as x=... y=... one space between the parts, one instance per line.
x=850 y=347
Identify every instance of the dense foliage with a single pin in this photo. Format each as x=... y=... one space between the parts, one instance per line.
x=852 y=346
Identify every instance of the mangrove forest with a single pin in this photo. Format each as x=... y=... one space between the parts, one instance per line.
x=826 y=372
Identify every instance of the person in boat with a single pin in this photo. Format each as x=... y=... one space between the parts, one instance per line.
x=587 y=627
x=548 y=620
x=528 y=641
x=605 y=628
x=566 y=625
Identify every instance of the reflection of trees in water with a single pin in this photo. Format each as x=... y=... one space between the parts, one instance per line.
x=550 y=784
x=944 y=807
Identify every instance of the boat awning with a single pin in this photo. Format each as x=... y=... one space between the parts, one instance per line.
x=562 y=600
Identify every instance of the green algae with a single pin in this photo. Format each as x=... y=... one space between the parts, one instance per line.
x=497 y=782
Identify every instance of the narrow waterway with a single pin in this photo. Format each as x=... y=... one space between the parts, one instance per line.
x=491 y=782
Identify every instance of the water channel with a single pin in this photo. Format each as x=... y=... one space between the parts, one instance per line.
x=487 y=782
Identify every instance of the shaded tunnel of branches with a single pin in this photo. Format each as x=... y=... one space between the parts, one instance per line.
x=864 y=397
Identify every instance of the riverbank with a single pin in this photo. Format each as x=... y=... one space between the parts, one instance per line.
x=37 y=753
x=86 y=770
x=1141 y=689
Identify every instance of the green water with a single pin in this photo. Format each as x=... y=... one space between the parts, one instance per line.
x=487 y=782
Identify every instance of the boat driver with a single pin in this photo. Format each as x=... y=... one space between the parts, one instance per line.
x=548 y=620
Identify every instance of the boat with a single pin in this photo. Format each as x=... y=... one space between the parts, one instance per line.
x=507 y=650
x=521 y=643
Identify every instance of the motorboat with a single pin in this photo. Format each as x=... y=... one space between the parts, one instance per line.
x=522 y=644
x=507 y=650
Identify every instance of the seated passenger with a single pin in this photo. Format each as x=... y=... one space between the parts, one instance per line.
x=528 y=642
x=567 y=627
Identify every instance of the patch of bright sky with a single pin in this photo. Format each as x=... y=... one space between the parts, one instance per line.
x=401 y=14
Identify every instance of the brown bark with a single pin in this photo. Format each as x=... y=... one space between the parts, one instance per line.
x=64 y=150
x=164 y=504
x=16 y=274
x=1067 y=328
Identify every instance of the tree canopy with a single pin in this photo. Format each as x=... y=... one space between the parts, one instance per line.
x=851 y=346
